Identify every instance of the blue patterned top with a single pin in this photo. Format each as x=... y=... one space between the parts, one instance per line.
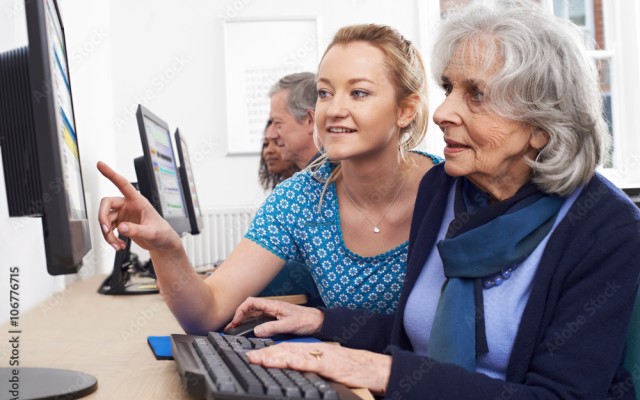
x=290 y=226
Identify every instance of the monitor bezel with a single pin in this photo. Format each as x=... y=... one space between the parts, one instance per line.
x=195 y=213
x=72 y=237
x=180 y=224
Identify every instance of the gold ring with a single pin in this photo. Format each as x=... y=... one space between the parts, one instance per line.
x=317 y=354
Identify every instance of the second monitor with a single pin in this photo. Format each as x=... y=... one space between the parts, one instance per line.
x=157 y=172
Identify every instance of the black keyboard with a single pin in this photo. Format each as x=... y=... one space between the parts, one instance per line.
x=216 y=367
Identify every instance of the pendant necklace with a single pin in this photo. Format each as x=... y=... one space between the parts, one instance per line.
x=376 y=226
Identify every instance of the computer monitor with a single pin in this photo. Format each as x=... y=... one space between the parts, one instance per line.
x=157 y=172
x=39 y=140
x=188 y=184
x=159 y=182
x=41 y=164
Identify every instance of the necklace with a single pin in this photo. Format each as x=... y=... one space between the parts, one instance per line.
x=499 y=278
x=376 y=226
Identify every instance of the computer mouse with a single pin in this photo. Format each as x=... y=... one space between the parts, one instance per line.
x=245 y=328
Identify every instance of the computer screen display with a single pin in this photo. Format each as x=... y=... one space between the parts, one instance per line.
x=39 y=139
x=165 y=172
x=188 y=184
x=157 y=171
x=67 y=139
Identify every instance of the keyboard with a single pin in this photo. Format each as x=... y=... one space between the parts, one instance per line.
x=216 y=367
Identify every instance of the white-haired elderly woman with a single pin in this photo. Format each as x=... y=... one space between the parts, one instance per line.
x=523 y=261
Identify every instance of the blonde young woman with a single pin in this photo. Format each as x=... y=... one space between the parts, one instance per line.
x=347 y=219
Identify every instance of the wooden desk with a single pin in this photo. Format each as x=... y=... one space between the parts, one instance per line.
x=105 y=336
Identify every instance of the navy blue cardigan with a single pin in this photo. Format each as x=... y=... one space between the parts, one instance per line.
x=570 y=342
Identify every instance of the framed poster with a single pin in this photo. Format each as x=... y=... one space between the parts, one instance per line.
x=258 y=52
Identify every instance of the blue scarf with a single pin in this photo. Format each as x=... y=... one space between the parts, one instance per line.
x=482 y=240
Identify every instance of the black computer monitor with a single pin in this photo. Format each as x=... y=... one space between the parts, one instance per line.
x=41 y=164
x=157 y=172
x=188 y=184
x=39 y=140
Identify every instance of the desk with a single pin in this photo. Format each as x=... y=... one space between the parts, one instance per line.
x=104 y=336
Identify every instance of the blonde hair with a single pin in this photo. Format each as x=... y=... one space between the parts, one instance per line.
x=407 y=72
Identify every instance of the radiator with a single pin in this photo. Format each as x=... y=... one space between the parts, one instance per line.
x=221 y=231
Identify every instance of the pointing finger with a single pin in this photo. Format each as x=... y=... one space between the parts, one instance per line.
x=125 y=187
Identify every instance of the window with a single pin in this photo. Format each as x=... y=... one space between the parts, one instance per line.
x=589 y=15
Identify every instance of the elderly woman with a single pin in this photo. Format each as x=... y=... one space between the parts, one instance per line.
x=522 y=268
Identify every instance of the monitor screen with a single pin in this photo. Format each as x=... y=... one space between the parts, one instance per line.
x=39 y=140
x=65 y=121
x=157 y=171
x=188 y=184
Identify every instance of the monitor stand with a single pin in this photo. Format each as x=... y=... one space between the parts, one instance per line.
x=45 y=383
x=125 y=265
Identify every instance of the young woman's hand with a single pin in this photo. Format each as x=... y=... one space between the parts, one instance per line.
x=133 y=216
x=291 y=318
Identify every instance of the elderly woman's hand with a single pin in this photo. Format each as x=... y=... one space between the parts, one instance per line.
x=291 y=318
x=133 y=216
x=354 y=368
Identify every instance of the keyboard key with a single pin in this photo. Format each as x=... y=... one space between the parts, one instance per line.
x=311 y=393
x=274 y=390
x=330 y=395
x=227 y=387
x=292 y=391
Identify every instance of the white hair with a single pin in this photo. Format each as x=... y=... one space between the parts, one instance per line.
x=302 y=93
x=545 y=80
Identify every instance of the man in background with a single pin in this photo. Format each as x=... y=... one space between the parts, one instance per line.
x=293 y=102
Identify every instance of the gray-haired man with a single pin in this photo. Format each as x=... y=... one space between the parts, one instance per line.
x=293 y=102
